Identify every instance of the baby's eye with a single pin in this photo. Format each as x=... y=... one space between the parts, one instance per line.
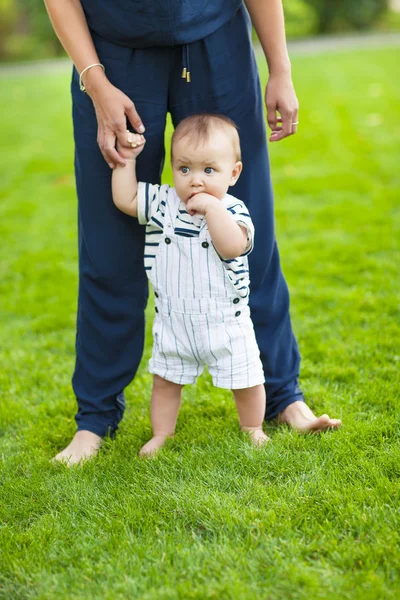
x=208 y=170
x=184 y=170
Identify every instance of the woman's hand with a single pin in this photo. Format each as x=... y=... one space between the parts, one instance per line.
x=135 y=143
x=112 y=108
x=280 y=97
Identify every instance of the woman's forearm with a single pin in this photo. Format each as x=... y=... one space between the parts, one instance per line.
x=69 y=23
x=268 y=20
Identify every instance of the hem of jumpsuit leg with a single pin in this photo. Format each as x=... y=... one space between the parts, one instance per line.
x=282 y=405
x=101 y=430
x=245 y=386
x=178 y=379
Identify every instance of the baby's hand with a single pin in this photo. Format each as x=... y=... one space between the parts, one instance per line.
x=135 y=144
x=200 y=203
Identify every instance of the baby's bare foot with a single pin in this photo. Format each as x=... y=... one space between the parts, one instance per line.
x=257 y=436
x=153 y=446
x=83 y=446
x=299 y=416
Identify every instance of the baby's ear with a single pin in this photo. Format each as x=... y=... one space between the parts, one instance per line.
x=237 y=169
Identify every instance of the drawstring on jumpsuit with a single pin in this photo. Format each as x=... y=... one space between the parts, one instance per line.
x=186 y=63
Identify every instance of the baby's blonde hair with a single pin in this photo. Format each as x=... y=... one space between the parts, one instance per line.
x=201 y=126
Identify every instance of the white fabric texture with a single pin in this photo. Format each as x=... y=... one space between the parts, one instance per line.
x=186 y=342
x=203 y=317
x=152 y=200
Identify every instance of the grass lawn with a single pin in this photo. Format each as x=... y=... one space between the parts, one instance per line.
x=212 y=517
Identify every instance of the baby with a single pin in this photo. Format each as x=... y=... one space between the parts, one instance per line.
x=197 y=239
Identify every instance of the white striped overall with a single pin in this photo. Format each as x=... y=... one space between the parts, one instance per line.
x=201 y=319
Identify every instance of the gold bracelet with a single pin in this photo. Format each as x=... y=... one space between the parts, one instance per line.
x=81 y=85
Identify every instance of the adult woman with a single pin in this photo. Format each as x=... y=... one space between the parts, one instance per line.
x=144 y=49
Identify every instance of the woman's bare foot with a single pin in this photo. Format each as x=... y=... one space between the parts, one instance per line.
x=83 y=446
x=153 y=446
x=300 y=416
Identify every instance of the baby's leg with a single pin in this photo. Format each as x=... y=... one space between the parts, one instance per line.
x=165 y=402
x=250 y=404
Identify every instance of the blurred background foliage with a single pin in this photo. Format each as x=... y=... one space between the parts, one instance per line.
x=26 y=33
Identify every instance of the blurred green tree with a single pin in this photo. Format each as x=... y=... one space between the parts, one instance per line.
x=40 y=25
x=25 y=31
x=358 y=14
x=8 y=19
x=301 y=18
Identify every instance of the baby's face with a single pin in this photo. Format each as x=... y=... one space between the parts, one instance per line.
x=210 y=167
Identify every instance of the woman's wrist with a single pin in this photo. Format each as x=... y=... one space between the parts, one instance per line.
x=279 y=68
x=94 y=79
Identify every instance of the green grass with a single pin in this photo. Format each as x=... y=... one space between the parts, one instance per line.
x=211 y=517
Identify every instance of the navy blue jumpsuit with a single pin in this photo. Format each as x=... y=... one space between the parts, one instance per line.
x=144 y=46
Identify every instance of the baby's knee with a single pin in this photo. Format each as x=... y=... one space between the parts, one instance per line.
x=162 y=385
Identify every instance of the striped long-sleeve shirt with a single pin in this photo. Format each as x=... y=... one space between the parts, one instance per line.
x=152 y=201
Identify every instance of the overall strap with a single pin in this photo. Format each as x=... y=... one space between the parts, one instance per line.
x=171 y=210
x=204 y=234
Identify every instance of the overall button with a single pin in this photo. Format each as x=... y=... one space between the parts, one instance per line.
x=235 y=300
x=167 y=240
x=205 y=244
x=156 y=295
x=237 y=313
x=156 y=309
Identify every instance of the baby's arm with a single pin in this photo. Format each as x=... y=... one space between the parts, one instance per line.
x=124 y=182
x=229 y=238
